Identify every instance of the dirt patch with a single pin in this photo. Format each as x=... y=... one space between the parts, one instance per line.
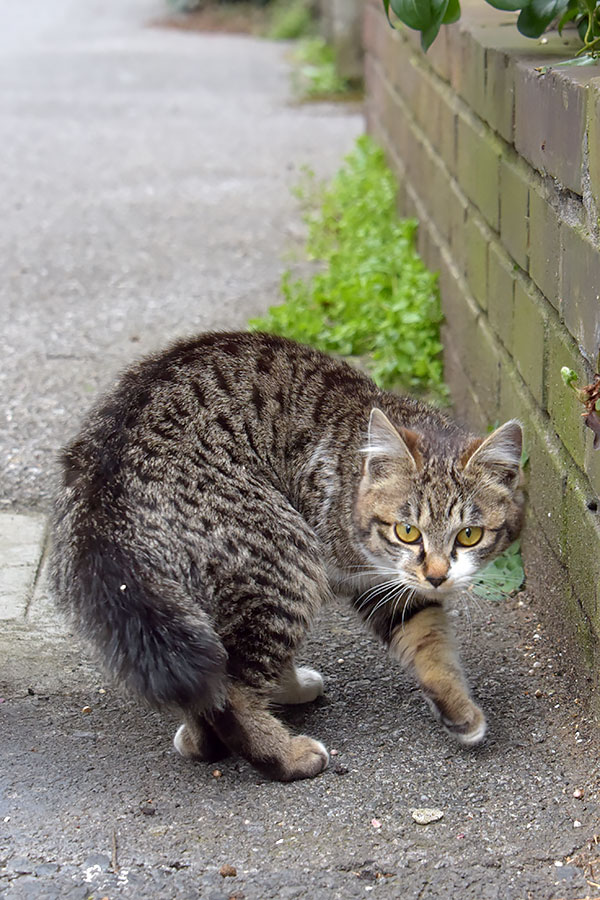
x=237 y=18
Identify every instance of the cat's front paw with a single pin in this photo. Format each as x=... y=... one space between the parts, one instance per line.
x=306 y=758
x=464 y=721
x=470 y=729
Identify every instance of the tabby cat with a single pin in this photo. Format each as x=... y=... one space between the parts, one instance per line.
x=219 y=496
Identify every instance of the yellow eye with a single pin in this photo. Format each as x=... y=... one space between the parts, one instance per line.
x=408 y=534
x=469 y=536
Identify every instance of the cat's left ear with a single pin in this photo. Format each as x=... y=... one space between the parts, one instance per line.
x=499 y=454
x=389 y=449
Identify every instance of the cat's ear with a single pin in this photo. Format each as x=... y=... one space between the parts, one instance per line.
x=499 y=454
x=388 y=447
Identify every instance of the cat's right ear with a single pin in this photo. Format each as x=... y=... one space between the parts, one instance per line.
x=388 y=448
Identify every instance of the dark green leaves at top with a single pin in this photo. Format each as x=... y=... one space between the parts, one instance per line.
x=425 y=16
x=507 y=5
x=538 y=14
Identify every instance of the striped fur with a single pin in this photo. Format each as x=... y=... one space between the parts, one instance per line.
x=215 y=499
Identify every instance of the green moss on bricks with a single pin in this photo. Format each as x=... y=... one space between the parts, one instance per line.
x=529 y=335
x=580 y=542
x=476 y=259
x=562 y=403
x=478 y=167
x=544 y=245
x=514 y=210
x=501 y=280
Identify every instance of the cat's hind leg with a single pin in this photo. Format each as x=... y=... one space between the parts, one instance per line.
x=425 y=646
x=298 y=684
x=196 y=739
x=247 y=727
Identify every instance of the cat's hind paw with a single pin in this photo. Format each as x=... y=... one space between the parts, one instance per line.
x=199 y=742
x=299 y=685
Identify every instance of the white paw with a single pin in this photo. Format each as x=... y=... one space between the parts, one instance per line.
x=470 y=738
x=182 y=742
x=299 y=685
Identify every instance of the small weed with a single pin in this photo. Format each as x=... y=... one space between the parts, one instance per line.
x=315 y=76
x=503 y=576
x=373 y=299
x=290 y=20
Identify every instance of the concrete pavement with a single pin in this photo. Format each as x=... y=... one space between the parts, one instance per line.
x=146 y=196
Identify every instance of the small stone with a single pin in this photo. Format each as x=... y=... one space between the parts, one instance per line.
x=147 y=809
x=426 y=815
x=228 y=871
x=578 y=794
x=375 y=823
x=333 y=752
x=576 y=824
x=217 y=773
x=538 y=694
x=86 y=710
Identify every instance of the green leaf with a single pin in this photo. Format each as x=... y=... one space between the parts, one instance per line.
x=571 y=13
x=452 y=13
x=538 y=14
x=568 y=376
x=422 y=15
x=507 y=5
x=503 y=576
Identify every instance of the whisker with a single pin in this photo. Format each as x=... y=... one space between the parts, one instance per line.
x=372 y=592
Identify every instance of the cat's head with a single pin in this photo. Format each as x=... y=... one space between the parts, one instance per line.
x=436 y=507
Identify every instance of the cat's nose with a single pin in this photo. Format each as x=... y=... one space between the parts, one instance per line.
x=436 y=580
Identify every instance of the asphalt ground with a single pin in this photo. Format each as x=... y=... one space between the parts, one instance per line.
x=147 y=196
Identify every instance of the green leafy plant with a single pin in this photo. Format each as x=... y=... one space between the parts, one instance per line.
x=372 y=298
x=502 y=576
x=589 y=397
x=315 y=75
x=290 y=20
x=535 y=16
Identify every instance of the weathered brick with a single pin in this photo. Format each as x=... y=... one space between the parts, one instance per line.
x=467 y=70
x=438 y=56
x=465 y=401
x=546 y=464
x=580 y=288
x=544 y=244
x=552 y=143
x=559 y=607
x=476 y=258
x=473 y=340
x=446 y=141
x=581 y=544
x=401 y=71
x=562 y=403
x=593 y=125
x=435 y=190
x=458 y=207
x=478 y=166
x=501 y=280
x=592 y=469
x=529 y=338
x=514 y=209
x=499 y=106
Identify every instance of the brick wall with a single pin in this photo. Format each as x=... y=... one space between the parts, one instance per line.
x=500 y=163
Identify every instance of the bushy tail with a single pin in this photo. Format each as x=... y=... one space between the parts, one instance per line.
x=146 y=628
